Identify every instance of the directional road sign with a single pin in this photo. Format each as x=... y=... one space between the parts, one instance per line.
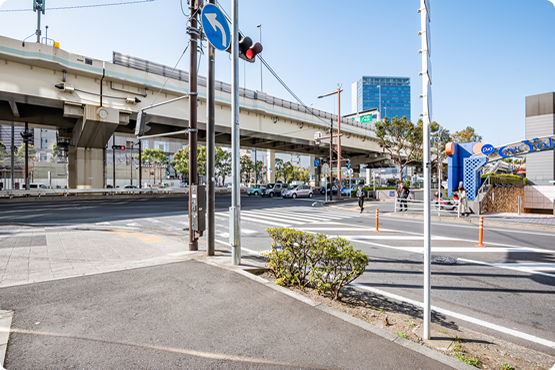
x=316 y=162
x=216 y=27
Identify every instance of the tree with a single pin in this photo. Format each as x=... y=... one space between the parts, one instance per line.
x=56 y=153
x=181 y=160
x=32 y=157
x=223 y=163
x=247 y=167
x=261 y=172
x=2 y=147
x=439 y=136
x=468 y=135
x=284 y=170
x=401 y=139
x=154 y=157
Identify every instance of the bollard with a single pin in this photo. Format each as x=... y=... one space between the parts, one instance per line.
x=519 y=206
x=481 y=234
x=377 y=220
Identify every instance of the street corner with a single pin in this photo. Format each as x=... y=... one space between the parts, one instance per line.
x=145 y=238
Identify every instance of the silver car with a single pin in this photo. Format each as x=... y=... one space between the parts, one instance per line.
x=295 y=191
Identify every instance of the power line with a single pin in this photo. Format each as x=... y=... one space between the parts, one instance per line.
x=82 y=6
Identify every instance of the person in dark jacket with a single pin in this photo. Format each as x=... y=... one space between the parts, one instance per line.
x=403 y=194
x=360 y=196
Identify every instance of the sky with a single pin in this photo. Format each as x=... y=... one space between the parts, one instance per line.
x=487 y=56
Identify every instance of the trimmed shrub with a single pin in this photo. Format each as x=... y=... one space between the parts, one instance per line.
x=299 y=258
x=340 y=265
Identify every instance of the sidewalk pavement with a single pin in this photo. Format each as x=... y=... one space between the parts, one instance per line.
x=93 y=297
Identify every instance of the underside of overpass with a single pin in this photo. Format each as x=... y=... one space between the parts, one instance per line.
x=97 y=100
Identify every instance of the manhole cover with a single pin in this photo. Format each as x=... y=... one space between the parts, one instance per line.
x=442 y=260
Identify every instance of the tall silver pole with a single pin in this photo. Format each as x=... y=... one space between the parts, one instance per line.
x=427 y=179
x=211 y=146
x=234 y=216
x=39 y=10
x=260 y=26
x=13 y=158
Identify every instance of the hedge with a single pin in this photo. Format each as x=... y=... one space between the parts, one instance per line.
x=303 y=259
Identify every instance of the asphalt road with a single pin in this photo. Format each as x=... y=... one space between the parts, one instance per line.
x=509 y=285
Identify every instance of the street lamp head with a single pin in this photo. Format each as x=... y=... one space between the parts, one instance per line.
x=321 y=96
x=259 y=25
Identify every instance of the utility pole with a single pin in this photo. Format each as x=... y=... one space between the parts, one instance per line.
x=13 y=157
x=194 y=6
x=211 y=145
x=39 y=8
x=260 y=27
x=235 y=209
x=339 y=158
x=426 y=165
x=140 y=164
x=27 y=136
x=113 y=163
x=132 y=164
x=331 y=159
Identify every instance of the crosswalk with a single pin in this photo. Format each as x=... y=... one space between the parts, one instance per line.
x=278 y=218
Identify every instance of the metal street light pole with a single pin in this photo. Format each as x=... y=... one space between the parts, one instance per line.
x=211 y=146
x=260 y=27
x=235 y=209
x=338 y=92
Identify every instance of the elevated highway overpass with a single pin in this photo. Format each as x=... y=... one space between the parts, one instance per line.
x=88 y=100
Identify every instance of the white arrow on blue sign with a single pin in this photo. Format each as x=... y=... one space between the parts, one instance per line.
x=216 y=27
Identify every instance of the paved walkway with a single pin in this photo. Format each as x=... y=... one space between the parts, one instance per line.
x=525 y=218
x=92 y=297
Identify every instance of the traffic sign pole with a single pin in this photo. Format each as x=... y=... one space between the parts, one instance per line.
x=211 y=146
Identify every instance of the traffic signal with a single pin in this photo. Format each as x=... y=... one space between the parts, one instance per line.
x=41 y=3
x=142 y=119
x=248 y=51
x=348 y=163
x=118 y=147
x=26 y=135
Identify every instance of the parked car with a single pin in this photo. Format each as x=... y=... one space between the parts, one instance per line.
x=37 y=186
x=256 y=190
x=130 y=187
x=273 y=190
x=295 y=191
x=323 y=189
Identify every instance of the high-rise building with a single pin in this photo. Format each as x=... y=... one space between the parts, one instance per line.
x=390 y=95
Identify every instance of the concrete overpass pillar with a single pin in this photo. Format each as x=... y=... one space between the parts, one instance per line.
x=94 y=127
x=86 y=168
x=271 y=167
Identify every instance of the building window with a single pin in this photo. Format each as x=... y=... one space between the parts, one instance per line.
x=43 y=143
x=43 y=157
x=43 y=130
x=145 y=144
x=164 y=145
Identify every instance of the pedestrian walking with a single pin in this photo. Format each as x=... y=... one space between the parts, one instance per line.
x=360 y=196
x=403 y=194
x=463 y=202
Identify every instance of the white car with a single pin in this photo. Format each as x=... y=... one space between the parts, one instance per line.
x=295 y=191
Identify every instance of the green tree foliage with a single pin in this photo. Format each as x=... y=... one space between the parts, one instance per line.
x=2 y=147
x=468 y=135
x=247 y=167
x=181 y=160
x=401 y=139
x=154 y=157
x=439 y=136
x=223 y=163
x=261 y=171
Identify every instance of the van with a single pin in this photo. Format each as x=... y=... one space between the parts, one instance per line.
x=37 y=186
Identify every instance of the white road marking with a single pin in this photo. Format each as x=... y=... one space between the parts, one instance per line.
x=179 y=254
x=473 y=320
x=507 y=266
x=283 y=217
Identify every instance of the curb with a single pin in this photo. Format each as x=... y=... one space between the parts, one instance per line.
x=5 y=326
x=425 y=351
x=475 y=221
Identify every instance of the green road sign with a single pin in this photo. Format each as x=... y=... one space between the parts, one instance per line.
x=367 y=118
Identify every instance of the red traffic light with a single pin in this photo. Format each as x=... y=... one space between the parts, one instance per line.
x=119 y=147
x=254 y=50
x=122 y=147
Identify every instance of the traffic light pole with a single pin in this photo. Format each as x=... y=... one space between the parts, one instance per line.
x=235 y=209
x=211 y=146
x=113 y=164
x=13 y=157
x=26 y=156
x=331 y=159
x=140 y=164
x=193 y=178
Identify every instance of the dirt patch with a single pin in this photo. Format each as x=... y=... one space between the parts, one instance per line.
x=474 y=348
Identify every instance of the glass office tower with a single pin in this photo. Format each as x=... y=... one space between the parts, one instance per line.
x=390 y=95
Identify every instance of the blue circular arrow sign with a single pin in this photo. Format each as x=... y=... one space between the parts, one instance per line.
x=216 y=27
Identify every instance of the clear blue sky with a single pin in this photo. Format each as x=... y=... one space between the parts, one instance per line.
x=487 y=55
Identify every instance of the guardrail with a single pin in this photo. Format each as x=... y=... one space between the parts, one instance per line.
x=440 y=207
x=101 y=191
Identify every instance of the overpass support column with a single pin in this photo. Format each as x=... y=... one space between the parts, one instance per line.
x=86 y=168
x=271 y=167
x=93 y=129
